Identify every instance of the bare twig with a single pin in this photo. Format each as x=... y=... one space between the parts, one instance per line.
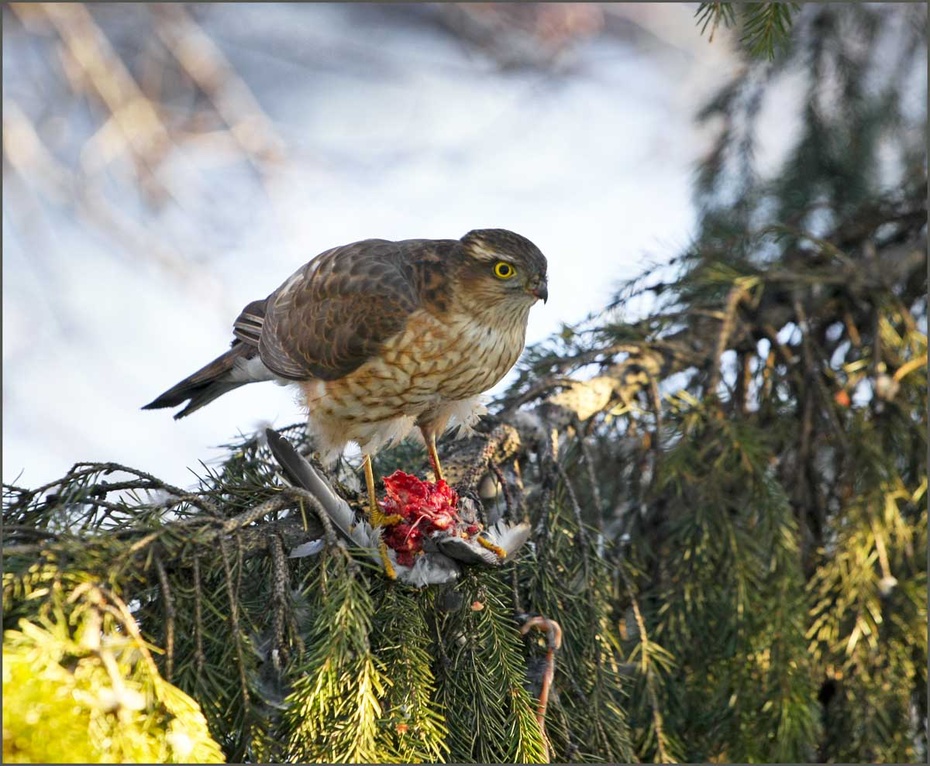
x=137 y=124
x=199 y=657
x=233 y=100
x=280 y=585
x=553 y=632
x=735 y=296
x=168 y=602
x=234 y=628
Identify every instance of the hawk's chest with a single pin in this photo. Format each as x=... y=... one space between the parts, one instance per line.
x=432 y=363
x=433 y=360
x=453 y=357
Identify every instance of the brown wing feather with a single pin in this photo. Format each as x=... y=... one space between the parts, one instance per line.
x=336 y=312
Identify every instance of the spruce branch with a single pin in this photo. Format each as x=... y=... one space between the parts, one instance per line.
x=490 y=715
x=713 y=14
x=766 y=27
x=85 y=665
x=413 y=728
x=334 y=708
x=654 y=663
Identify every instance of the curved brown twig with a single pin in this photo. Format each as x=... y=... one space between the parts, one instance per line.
x=554 y=641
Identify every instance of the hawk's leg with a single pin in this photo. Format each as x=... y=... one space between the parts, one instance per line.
x=376 y=517
x=430 y=438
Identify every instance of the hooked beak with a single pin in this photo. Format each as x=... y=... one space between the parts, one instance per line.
x=541 y=290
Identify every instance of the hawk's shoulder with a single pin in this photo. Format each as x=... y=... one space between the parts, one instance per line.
x=337 y=311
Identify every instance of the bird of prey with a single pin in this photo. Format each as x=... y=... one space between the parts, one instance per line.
x=383 y=336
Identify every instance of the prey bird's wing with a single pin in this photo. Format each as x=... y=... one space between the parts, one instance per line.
x=300 y=473
x=336 y=312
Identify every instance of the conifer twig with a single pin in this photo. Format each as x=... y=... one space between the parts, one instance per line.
x=252 y=515
x=727 y=324
x=199 y=657
x=280 y=585
x=169 y=618
x=234 y=628
x=554 y=642
x=573 y=501
x=498 y=474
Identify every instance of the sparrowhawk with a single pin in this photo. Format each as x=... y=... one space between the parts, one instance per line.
x=382 y=336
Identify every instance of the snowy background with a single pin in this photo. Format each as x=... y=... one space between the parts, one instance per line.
x=373 y=121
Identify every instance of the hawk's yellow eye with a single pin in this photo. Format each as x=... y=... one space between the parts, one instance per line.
x=503 y=270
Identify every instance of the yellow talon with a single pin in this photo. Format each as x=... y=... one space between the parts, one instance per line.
x=377 y=518
x=495 y=549
x=386 y=562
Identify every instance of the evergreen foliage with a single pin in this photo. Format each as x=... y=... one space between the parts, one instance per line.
x=727 y=500
x=81 y=685
x=764 y=26
x=769 y=417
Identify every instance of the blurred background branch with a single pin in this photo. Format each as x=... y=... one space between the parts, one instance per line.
x=144 y=109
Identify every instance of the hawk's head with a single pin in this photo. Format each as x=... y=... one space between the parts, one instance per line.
x=503 y=265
